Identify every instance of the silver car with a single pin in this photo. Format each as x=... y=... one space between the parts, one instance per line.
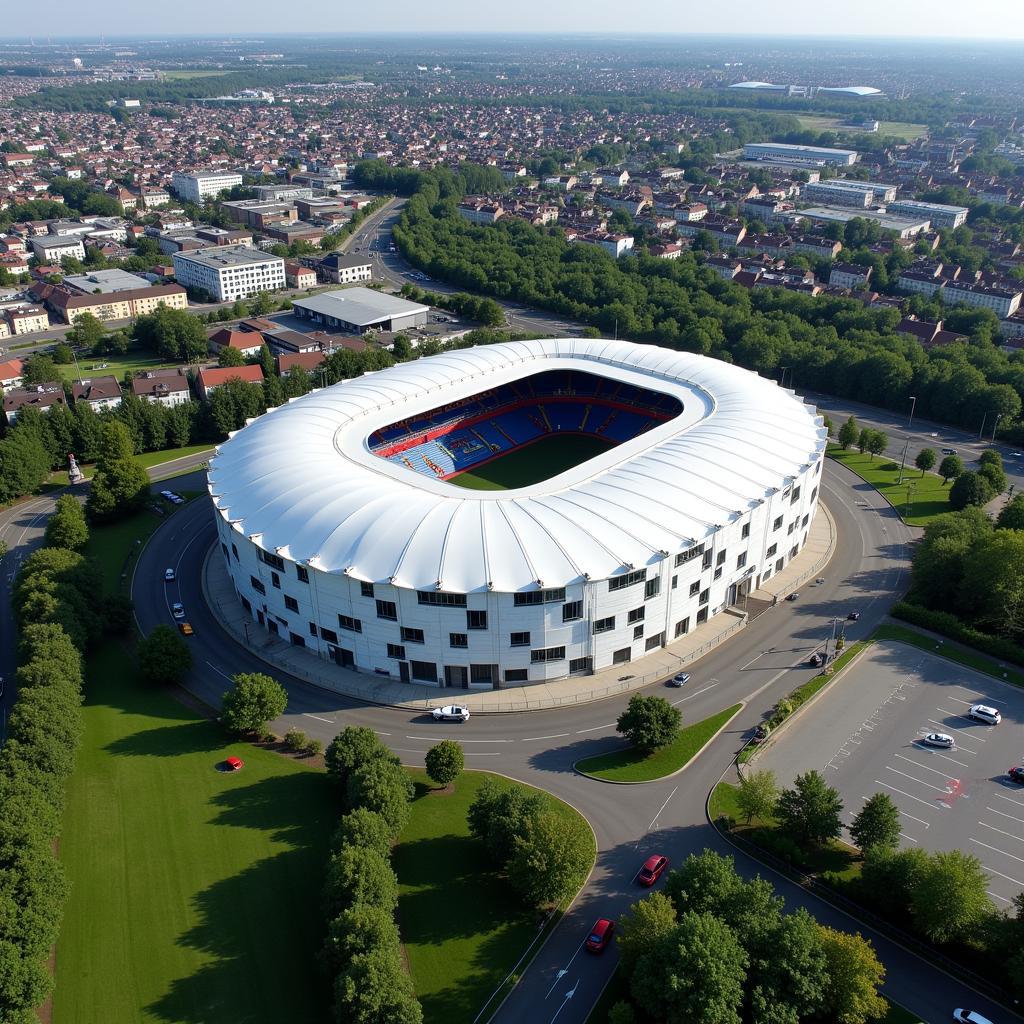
x=938 y=739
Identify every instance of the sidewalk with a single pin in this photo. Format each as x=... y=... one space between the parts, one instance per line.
x=219 y=593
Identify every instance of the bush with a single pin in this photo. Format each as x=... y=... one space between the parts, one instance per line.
x=949 y=625
x=314 y=748
x=649 y=722
x=295 y=740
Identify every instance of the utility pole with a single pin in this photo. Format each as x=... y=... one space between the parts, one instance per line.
x=903 y=461
x=982 y=430
x=913 y=405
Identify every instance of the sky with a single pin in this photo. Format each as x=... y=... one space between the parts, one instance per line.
x=916 y=19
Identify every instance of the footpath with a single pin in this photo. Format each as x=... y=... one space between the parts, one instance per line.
x=304 y=664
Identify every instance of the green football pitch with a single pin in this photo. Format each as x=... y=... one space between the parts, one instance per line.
x=541 y=460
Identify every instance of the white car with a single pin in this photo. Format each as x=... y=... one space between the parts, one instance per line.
x=983 y=713
x=938 y=739
x=176 y=498
x=450 y=713
x=679 y=679
x=178 y=610
x=169 y=575
x=970 y=1017
x=165 y=494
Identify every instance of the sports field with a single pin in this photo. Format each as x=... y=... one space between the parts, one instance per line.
x=539 y=461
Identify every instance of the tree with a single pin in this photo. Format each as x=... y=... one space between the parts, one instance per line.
x=950 y=468
x=864 y=439
x=67 y=527
x=254 y=700
x=810 y=812
x=384 y=787
x=267 y=362
x=648 y=922
x=848 y=433
x=970 y=488
x=994 y=473
x=444 y=762
x=757 y=795
x=375 y=988
x=62 y=354
x=925 y=460
x=363 y=828
x=356 y=875
x=551 y=859
x=353 y=746
x=173 y=334
x=229 y=356
x=120 y=485
x=355 y=930
x=1011 y=515
x=86 y=331
x=853 y=978
x=695 y=974
x=787 y=980
x=951 y=896
x=499 y=813
x=164 y=658
x=877 y=442
x=649 y=722
x=890 y=877
x=877 y=824
x=39 y=369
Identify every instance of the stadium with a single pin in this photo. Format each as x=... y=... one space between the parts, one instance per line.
x=515 y=513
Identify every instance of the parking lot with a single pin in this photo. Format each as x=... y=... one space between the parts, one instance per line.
x=865 y=734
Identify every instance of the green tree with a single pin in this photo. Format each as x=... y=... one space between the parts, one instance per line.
x=500 y=812
x=355 y=930
x=24 y=464
x=970 y=488
x=262 y=304
x=384 y=787
x=995 y=474
x=39 y=369
x=757 y=795
x=864 y=439
x=173 y=334
x=359 y=876
x=877 y=823
x=943 y=554
x=267 y=362
x=890 y=877
x=62 y=354
x=229 y=356
x=950 y=468
x=853 y=978
x=444 y=762
x=705 y=882
x=1011 y=515
x=646 y=924
x=621 y=1013
x=925 y=460
x=363 y=828
x=551 y=858
x=951 y=896
x=86 y=331
x=787 y=980
x=695 y=974
x=810 y=812
x=120 y=485
x=66 y=527
x=877 y=442
x=353 y=746
x=649 y=722
x=375 y=988
x=849 y=432
x=164 y=658
x=254 y=700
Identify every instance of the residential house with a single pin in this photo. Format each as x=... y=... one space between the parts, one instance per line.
x=162 y=387
x=248 y=344
x=99 y=392
x=10 y=373
x=42 y=397
x=210 y=378
x=298 y=276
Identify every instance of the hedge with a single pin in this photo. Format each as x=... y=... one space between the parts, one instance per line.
x=949 y=625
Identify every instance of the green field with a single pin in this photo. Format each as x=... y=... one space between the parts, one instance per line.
x=134 y=359
x=904 y=130
x=186 y=74
x=463 y=928
x=541 y=460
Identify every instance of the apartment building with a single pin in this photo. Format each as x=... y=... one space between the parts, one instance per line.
x=162 y=387
x=99 y=393
x=940 y=214
x=849 y=275
x=340 y=268
x=229 y=272
x=42 y=397
x=1004 y=301
x=53 y=248
x=196 y=187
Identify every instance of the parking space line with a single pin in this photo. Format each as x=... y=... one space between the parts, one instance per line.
x=1009 y=799
x=1003 y=814
x=958 y=728
x=911 y=838
x=938 y=789
x=921 y=746
x=910 y=760
x=1009 y=835
x=942 y=725
x=996 y=895
x=927 y=803
x=995 y=849
x=992 y=871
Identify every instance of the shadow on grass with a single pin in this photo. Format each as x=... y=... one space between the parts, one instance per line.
x=170 y=741
x=286 y=805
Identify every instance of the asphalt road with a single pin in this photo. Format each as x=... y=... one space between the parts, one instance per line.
x=865 y=736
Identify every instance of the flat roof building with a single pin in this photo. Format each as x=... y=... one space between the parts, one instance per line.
x=814 y=156
x=848 y=192
x=196 y=187
x=103 y=282
x=833 y=215
x=940 y=214
x=357 y=310
x=229 y=272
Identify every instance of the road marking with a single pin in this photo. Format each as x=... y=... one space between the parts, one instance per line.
x=437 y=739
x=218 y=671
x=710 y=686
x=329 y=721
x=938 y=789
x=568 y=996
x=468 y=753
x=1009 y=799
x=911 y=838
x=954 y=728
x=563 y=971
x=379 y=733
x=958 y=728
x=1001 y=875
x=1009 y=835
x=927 y=803
x=910 y=760
x=661 y=808
x=995 y=849
x=596 y=728
x=1002 y=814
x=553 y=736
x=996 y=895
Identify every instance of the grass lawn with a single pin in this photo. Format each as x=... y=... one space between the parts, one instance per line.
x=929 y=496
x=134 y=359
x=541 y=460
x=462 y=927
x=185 y=74
x=629 y=765
x=905 y=130
x=150 y=459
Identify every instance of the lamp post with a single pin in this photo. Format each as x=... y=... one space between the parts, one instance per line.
x=782 y=379
x=913 y=404
x=982 y=430
x=995 y=424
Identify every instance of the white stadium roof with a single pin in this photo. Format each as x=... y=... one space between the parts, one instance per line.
x=302 y=482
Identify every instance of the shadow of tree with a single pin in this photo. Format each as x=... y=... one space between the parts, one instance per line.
x=170 y=741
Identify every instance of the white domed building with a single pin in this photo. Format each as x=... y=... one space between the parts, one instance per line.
x=347 y=528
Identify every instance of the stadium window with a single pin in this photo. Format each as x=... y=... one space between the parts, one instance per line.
x=302 y=573
x=538 y=596
x=814 y=494
x=636 y=615
x=352 y=625
x=365 y=589
x=704 y=595
x=745 y=532
x=312 y=629
x=412 y=636
x=572 y=611
x=257 y=585
x=791 y=527
x=638 y=632
x=652 y=588
x=777 y=523
x=685 y=556
x=675 y=582
x=622 y=655
x=234 y=551
x=771 y=551
x=795 y=496
x=604 y=625
x=702 y=616
x=627 y=579
x=545 y=654
x=246 y=604
x=387 y=610
x=458 y=640
x=276 y=580
x=297 y=640
x=519 y=640
x=291 y=604
x=437 y=597
x=741 y=560
x=273 y=560
x=721 y=557
x=706 y=563
x=654 y=641
x=694 y=588
x=329 y=635
x=779 y=564
x=682 y=627
x=806 y=519
x=483 y=674
x=718 y=573
x=517 y=675
x=424 y=671
x=476 y=619
x=396 y=651
x=579 y=665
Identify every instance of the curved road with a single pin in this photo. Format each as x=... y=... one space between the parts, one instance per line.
x=758 y=665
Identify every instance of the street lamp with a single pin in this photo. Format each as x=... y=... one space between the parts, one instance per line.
x=913 y=404
x=782 y=379
x=995 y=424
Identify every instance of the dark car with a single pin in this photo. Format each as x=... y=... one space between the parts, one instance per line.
x=1016 y=773
x=853 y=616
x=761 y=733
x=793 y=596
x=652 y=870
x=600 y=935
x=816 y=660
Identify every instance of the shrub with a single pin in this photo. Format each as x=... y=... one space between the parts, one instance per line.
x=295 y=740
x=163 y=657
x=314 y=748
x=649 y=722
x=949 y=625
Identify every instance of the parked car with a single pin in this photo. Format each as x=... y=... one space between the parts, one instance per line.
x=652 y=870
x=970 y=1017
x=169 y=575
x=938 y=739
x=450 y=713
x=853 y=616
x=178 y=610
x=949 y=451
x=679 y=679
x=1016 y=773
x=761 y=733
x=165 y=494
x=600 y=935
x=176 y=499
x=816 y=660
x=186 y=628
x=234 y=764
x=983 y=713
x=793 y=596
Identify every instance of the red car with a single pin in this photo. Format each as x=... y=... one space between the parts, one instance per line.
x=234 y=764
x=652 y=870
x=600 y=935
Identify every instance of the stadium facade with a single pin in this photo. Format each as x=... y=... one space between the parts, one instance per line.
x=343 y=533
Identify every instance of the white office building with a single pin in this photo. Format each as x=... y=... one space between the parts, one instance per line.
x=196 y=187
x=848 y=192
x=940 y=214
x=784 y=153
x=229 y=272
x=53 y=248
